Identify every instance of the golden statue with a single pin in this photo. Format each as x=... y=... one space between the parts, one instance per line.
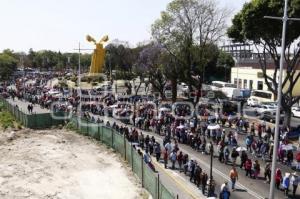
x=98 y=55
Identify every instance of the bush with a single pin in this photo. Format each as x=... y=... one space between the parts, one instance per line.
x=94 y=83
x=71 y=126
x=6 y=120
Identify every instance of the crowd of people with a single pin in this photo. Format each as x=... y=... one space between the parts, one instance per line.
x=210 y=129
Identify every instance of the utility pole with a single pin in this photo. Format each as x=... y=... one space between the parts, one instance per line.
x=284 y=19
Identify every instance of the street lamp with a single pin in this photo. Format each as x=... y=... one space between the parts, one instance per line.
x=284 y=19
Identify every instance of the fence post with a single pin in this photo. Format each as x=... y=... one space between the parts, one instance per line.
x=35 y=120
x=125 y=148
x=99 y=132
x=77 y=124
x=102 y=133
x=51 y=119
x=87 y=126
x=112 y=138
x=131 y=155
x=142 y=171
x=158 y=196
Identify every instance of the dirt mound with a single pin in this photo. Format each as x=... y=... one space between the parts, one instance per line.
x=61 y=164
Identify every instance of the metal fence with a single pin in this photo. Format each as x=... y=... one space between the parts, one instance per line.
x=149 y=179
x=34 y=120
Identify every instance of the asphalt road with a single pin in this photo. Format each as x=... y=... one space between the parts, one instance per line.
x=246 y=187
x=179 y=184
x=22 y=104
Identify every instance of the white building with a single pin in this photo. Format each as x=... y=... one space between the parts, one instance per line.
x=248 y=74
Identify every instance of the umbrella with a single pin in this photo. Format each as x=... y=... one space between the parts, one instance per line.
x=181 y=127
x=113 y=106
x=164 y=109
x=241 y=148
x=288 y=147
x=213 y=127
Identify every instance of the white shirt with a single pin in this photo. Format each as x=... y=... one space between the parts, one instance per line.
x=294 y=180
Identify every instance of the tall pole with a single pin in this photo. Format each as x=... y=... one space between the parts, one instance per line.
x=279 y=94
x=210 y=192
x=79 y=78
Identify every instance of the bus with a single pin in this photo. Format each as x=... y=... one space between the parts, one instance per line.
x=227 y=88
x=262 y=96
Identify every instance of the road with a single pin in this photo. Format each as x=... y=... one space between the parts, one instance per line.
x=22 y=104
x=246 y=187
x=179 y=184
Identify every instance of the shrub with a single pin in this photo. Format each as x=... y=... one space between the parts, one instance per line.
x=6 y=119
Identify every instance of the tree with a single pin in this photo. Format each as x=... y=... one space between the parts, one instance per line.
x=250 y=26
x=8 y=65
x=186 y=29
x=151 y=63
x=226 y=62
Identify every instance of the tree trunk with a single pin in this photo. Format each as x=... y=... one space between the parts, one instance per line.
x=174 y=89
x=199 y=92
x=162 y=94
x=287 y=118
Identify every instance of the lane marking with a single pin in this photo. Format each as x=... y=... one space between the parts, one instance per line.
x=184 y=187
x=251 y=192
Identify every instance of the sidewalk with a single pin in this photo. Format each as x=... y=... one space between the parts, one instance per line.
x=220 y=172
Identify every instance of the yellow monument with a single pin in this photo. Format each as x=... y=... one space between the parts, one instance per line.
x=98 y=55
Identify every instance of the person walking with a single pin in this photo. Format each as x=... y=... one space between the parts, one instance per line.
x=173 y=158
x=233 y=177
x=278 y=178
x=224 y=191
x=256 y=169
x=157 y=151
x=248 y=166
x=166 y=158
x=204 y=178
x=180 y=160
x=294 y=182
x=286 y=184
x=234 y=155
x=244 y=158
x=268 y=173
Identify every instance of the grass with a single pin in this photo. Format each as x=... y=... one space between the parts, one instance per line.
x=6 y=120
x=71 y=126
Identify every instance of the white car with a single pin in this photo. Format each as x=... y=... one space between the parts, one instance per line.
x=263 y=108
x=296 y=111
x=252 y=102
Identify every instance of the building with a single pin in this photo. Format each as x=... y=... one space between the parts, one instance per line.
x=247 y=72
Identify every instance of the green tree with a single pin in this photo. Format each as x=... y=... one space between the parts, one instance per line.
x=8 y=65
x=186 y=30
x=151 y=64
x=225 y=62
x=249 y=25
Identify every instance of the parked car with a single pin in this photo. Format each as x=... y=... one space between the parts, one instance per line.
x=296 y=111
x=271 y=116
x=252 y=102
x=263 y=108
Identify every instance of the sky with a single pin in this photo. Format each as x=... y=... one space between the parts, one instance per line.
x=60 y=25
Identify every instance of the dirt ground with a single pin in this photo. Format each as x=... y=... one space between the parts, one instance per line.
x=60 y=164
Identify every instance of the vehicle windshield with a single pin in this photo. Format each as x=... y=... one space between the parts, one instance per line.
x=230 y=85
